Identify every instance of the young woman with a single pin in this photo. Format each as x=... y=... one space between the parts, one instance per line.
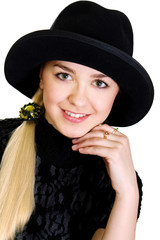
x=66 y=172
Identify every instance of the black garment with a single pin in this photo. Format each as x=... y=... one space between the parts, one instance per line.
x=73 y=192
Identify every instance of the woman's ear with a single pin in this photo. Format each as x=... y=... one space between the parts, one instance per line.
x=40 y=77
x=41 y=84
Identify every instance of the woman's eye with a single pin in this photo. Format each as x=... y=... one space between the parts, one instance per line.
x=63 y=76
x=100 y=84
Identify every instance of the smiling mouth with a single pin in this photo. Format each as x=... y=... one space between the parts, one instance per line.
x=75 y=115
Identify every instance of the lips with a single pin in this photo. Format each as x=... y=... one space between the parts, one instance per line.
x=75 y=115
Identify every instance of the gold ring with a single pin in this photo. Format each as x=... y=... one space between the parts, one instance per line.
x=106 y=134
x=115 y=130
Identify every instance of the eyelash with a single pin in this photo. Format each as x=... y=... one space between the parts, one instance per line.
x=58 y=75
x=100 y=81
x=96 y=81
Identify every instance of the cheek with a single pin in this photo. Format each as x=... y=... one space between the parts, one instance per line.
x=53 y=94
x=104 y=104
x=49 y=94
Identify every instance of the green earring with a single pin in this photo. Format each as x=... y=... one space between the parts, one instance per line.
x=30 y=111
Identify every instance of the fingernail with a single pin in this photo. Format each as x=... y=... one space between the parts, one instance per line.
x=74 y=147
x=74 y=140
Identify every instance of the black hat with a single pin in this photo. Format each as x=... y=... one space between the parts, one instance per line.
x=91 y=35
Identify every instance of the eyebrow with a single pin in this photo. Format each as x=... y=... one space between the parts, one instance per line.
x=96 y=75
x=64 y=68
x=99 y=75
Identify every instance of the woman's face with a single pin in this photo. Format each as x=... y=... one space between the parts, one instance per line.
x=76 y=98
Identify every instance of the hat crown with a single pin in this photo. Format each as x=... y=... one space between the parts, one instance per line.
x=92 y=20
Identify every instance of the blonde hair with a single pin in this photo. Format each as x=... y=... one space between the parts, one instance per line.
x=17 y=178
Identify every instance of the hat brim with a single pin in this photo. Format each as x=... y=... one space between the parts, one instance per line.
x=24 y=59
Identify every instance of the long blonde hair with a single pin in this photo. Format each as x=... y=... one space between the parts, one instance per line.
x=17 y=178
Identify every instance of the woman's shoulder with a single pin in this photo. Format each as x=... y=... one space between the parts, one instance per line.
x=7 y=126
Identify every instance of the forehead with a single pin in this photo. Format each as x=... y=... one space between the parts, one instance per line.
x=74 y=67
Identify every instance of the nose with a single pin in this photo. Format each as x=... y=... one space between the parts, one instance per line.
x=77 y=96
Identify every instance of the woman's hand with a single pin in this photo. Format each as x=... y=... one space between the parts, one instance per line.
x=114 y=148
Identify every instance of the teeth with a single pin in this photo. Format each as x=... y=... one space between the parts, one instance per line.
x=75 y=115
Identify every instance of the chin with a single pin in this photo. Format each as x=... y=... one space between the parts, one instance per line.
x=74 y=134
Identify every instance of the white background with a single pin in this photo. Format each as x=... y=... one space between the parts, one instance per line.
x=19 y=17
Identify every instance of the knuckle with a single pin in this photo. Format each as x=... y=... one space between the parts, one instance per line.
x=105 y=125
x=90 y=150
x=119 y=146
x=94 y=140
x=125 y=140
x=94 y=150
x=87 y=149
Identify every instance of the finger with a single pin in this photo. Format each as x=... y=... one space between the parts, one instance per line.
x=99 y=131
x=93 y=142
x=106 y=127
x=118 y=137
x=111 y=133
x=96 y=150
x=99 y=134
x=92 y=134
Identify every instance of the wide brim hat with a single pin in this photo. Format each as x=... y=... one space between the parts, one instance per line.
x=91 y=35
